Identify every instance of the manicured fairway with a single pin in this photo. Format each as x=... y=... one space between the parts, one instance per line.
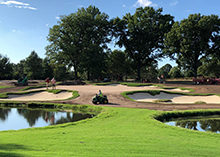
x=114 y=132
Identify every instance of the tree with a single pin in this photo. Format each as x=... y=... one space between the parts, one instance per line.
x=79 y=39
x=33 y=66
x=192 y=39
x=210 y=67
x=18 y=69
x=118 y=64
x=164 y=70
x=175 y=72
x=60 y=72
x=142 y=35
x=47 y=68
x=150 y=73
x=6 y=70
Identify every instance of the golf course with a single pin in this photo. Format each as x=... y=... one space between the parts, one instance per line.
x=133 y=78
x=115 y=130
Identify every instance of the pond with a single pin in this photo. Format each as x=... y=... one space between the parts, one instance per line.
x=211 y=124
x=15 y=118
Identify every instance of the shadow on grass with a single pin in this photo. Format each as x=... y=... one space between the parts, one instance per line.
x=9 y=155
x=111 y=104
x=9 y=148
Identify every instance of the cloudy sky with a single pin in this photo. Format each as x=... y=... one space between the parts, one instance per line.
x=24 y=24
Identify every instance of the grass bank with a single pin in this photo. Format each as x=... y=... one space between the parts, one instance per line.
x=1 y=87
x=114 y=132
x=75 y=94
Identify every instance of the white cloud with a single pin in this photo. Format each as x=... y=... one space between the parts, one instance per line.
x=174 y=3
x=144 y=3
x=57 y=17
x=124 y=6
x=14 y=2
x=47 y=25
x=17 y=4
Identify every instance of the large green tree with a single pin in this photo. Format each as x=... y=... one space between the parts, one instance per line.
x=164 y=70
x=79 y=39
x=142 y=35
x=119 y=65
x=210 y=66
x=6 y=68
x=33 y=66
x=193 y=39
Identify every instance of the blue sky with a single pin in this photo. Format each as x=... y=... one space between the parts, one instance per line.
x=24 y=24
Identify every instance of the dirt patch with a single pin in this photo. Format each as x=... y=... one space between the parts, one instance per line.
x=116 y=100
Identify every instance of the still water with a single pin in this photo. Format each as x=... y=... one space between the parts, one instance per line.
x=211 y=124
x=14 y=118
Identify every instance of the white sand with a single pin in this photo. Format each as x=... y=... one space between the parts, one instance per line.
x=176 y=98
x=40 y=96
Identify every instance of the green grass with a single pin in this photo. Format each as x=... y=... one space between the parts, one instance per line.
x=32 y=87
x=54 y=91
x=75 y=94
x=1 y=87
x=5 y=95
x=114 y=132
x=131 y=84
x=104 y=83
x=189 y=89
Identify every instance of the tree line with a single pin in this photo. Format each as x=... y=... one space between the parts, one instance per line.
x=79 y=46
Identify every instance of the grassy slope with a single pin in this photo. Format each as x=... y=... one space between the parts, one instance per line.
x=115 y=132
x=1 y=87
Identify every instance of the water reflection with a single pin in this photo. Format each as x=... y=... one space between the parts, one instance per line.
x=24 y=118
x=212 y=124
x=4 y=113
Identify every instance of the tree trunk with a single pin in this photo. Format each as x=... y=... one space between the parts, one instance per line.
x=195 y=67
x=195 y=72
x=75 y=72
x=139 y=72
x=88 y=75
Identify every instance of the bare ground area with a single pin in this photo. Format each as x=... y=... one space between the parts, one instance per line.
x=116 y=100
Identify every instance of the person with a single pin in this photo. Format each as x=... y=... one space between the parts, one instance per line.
x=100 y=93
x=53 y=81
x=47 y=82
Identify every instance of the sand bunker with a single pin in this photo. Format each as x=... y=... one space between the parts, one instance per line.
x=40 y=96
x=175 y=98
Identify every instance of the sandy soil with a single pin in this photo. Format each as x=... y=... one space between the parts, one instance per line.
x=116 y=100
x=176 y=98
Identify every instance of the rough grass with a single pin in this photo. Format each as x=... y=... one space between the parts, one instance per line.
x=114 y=132
x=105 y=83
x=1 y=87
x=55 y=91
x=32 y=87
x=131 y=84
x=5 y=95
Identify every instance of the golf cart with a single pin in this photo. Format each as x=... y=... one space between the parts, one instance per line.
x=22 y=82
x=100 y=99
